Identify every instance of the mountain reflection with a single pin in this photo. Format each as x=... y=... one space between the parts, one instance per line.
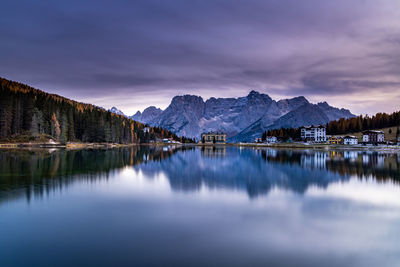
x=259 y=170
x=38 y=172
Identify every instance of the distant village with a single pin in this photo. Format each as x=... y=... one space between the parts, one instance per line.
x=314 y=134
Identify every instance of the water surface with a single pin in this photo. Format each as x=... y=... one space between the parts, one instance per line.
x=165 y=206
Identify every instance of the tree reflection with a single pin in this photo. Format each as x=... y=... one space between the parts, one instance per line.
x=255 y=171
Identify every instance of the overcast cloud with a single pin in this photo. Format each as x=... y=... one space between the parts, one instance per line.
x=133 y=54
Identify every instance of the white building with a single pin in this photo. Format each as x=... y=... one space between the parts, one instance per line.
x=350 y=140
x=313 y=133
x=373 y=137
x=258 y=140
x=271 y=139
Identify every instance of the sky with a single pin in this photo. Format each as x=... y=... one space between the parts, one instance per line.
x=134 y=54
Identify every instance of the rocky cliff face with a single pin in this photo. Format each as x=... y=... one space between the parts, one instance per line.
x=242 y=119
x=148 y=114
x=182 y=116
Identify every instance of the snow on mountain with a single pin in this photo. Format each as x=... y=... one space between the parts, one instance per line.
x=116 y=111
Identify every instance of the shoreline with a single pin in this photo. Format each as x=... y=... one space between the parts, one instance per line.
x=320 y=146
x=79 y=145
x=249 y=145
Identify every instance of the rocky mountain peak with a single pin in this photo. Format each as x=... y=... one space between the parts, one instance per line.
x=253 y=93
x=323 y=104
x=187 y=99
x=116 y=111
x=148 y=115
x=241 y=118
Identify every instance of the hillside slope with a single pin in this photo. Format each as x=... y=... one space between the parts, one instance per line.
x=32 y=113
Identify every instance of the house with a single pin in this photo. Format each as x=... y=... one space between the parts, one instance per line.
x=258 y=140
x=168 y=140
x=350 y=140
x=213 y=138
x=315 y=134
x=373 y=137
x=335 y=140
x=271 y=139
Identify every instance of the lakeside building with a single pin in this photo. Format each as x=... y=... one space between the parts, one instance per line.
x=373 y=137
x=213 y=138
x=335 y=140
x=271 y=139
x=315 y=134
x=258 y=140
x=350 y=140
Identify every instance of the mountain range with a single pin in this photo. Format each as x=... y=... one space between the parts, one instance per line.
x=242 y=119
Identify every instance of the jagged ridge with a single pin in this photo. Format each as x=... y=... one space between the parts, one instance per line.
x=242 y=118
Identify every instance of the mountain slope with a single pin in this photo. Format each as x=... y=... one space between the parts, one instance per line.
x=307 y=114
x=241 y=118
x=182 y=115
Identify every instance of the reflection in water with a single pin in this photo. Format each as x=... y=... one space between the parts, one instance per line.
x=255 y=171
x=39 y=172
x=125 y=207
x=213 y=151
x=258 y=171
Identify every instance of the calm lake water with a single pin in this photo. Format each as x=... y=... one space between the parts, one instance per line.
x=149 y=206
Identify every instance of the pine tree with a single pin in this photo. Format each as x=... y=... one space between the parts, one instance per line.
x=25 y=110
x=64 y=129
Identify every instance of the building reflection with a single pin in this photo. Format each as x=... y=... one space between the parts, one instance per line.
x=213 y=151
x=314 y=160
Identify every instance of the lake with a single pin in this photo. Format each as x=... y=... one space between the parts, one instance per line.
x=205 y=206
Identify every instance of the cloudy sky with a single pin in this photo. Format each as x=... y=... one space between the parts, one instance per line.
x=133 y=54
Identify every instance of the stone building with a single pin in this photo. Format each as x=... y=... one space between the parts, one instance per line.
x=213 y=138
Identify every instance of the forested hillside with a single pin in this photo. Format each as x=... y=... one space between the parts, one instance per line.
x=29 y=114
x=345 y=126
x=362 y=123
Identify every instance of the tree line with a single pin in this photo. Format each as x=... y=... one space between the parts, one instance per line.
x=284 y=134
x=363 y=123
x=28 y=114
x=344 y=126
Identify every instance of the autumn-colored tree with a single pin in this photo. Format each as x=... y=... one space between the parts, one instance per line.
x=27 y=111
x=55 y=127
